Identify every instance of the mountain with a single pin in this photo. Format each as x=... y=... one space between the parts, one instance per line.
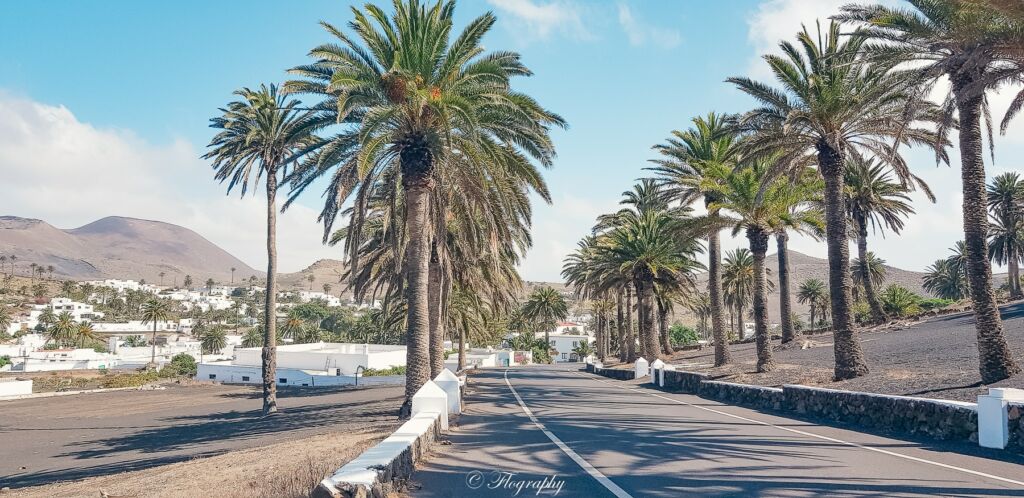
x=118 y=247
x=803 y=267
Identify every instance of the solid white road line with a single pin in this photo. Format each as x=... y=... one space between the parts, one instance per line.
x=585 y=465
x=818 y=436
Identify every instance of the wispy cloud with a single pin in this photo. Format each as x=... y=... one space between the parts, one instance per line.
x=640 y=33
x=541 y=20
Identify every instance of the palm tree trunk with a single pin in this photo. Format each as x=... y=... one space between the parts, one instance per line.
x=759 y=247
x=436 y=324
x=418 y=186
x=666 y=341
x=269 y=352
x=995 y=360
x=741 y=330
x=718 y=330
x=785 y=300
x=620 y=324
x=630 y=338
x=1013 y=270
x=849 y=356
x=877 y=314
x=462 y=349
x=641 y=328
x=152 y=350
x=812 y=316
x=648 y=335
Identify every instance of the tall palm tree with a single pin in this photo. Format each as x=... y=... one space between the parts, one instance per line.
x=1006 y=246
x=813 y=293
x=233 y=269
x=689 y=164
x=961 y=41
x=944 y=280
x=213 y=340
x=155 y=310
x=14 y=259
x=32 y=273
x=958 y=262
x=416 y=105
x=162 y=275
x=544 y=308
x=3 y=264
x=872 y=266
x=831 y=103
x=188 y=282
x=5 y=319
x=874 y=198
x=761 y=206
x=260 y=135
x=85 y=334
x=64 y=330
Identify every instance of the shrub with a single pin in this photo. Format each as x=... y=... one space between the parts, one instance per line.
x=899 y=301
x=934 y=303
x=130 y=379
x=681 y=335
x=4 y=361
x=381 y=372
x=181 y=364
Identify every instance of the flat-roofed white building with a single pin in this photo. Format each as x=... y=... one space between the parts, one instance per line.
x=309 y=364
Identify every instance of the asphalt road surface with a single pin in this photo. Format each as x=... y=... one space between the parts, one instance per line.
x=71 y=437
x=561 y=432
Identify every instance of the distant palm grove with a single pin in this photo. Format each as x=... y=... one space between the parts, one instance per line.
x=430 y=155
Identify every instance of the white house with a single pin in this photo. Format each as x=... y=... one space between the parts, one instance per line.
x=563 y=344
x=314 y=364
x=124 y=285
x=64 y=359
x=307 y=296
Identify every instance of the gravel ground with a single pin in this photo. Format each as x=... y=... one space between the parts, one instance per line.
x=937 y=358
x=90 y=435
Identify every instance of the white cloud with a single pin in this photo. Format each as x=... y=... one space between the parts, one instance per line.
x=556 y=230
x=69 y=173
x=641 y=33
x=539 y=19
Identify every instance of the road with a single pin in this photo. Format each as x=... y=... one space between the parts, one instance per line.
x=45 y=440
x=604 y=438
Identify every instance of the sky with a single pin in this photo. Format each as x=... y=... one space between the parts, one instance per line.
x=105 y=106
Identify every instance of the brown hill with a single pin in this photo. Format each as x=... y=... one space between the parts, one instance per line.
x=117 y=247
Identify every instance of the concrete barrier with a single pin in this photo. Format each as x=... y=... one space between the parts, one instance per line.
x=378 y=471
x=642 y=368
x=656 y=367
x=15 y=387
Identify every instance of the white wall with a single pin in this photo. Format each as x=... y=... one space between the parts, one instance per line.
x=14 y=387
x=245 y=374
x=328 y=356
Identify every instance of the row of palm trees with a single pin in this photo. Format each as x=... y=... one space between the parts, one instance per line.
x=821 y=154
x=427 y=152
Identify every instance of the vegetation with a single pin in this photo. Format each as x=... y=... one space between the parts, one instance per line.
x=682 y=336
x=544 y=308
x=182 y=364
x=374 y=372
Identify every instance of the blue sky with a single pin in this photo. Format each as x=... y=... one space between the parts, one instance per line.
x=104 y=106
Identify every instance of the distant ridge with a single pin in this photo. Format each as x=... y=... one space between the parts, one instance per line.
x=119 y=247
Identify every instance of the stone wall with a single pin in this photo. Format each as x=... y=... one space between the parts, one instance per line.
x=683 y=382
x=937 y=419
x=757 y=397
x=1016 y=420
x=616 y=373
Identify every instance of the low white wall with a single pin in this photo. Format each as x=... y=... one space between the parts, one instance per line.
x=328 y=356
x=15 y=387
x=245 y=374
x=53 y=365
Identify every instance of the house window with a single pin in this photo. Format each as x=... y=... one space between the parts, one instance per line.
x=282 y=380
x=552 y=343
x=575 y=343
x=213 y=376
x=564 y=356
x=245 y=378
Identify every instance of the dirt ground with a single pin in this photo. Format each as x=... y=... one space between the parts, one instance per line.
x=281 y=470
x=101 y=436
x=937 y=358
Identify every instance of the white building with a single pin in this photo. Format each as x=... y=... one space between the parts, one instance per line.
x=315 y=364
x=563 y=344
x=64 y=359
x=124 y=285
x=307 y=296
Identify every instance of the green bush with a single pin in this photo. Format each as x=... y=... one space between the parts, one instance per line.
x=181 y=364
x=130 y=379
x=899 y=301
x=4 y=361
x=681 y=335
x=934 y=303
x=374 y=372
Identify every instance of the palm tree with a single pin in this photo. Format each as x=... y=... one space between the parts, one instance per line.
x=873 y=266
x=188 y=282
x=64 y=330
x=67 y=288
x=162 y=275
x=761 y=207
x=153 y=311
x=310 y=278
x=813 y=293
x=964 y=42
x=3 y=264
x=233 y=269
x=252 y=337
x=327 y=288
x=5 y=319
x=260 y=136
x=944 y=280
x=32 y=273
x=421 y=106
x=1006 y=246
x=959 y=263
x=49 y=270
x=209 y=286
x=873 y=198
x=14 y=259
x=833 y=103
x=691 y=160
x=213 y=340
x=544 y=308
x=85 y=334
